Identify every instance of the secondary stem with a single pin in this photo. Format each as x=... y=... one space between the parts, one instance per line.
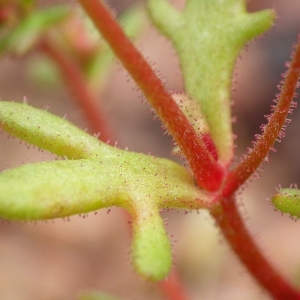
x=172 y=287
x=74 y=78
x=232 y=226
x=272 y=130
x=209 y=172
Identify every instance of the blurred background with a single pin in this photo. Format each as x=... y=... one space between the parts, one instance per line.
x=58 y=259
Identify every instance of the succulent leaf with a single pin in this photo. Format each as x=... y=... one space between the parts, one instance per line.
x=96 y=176
x=208 y=36
x=151 y=249
x=288 y=201
x=47 y=131
x=62 y=188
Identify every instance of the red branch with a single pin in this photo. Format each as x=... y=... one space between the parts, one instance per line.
x=209 y=174
x=236 y=233
x=74 y=78
x=172 y=287
x=271 y=131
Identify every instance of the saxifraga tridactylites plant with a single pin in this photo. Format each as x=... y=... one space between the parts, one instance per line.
x=208 y=35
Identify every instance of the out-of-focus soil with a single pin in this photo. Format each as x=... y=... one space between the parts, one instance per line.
x=58 y=259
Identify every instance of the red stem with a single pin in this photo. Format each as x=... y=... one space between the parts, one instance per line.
x=172 y=287
x=229 y=220
x=209 y=173
x=272 y=130
x=74 y=78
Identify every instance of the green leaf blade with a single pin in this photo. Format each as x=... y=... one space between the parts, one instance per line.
x=288 y=201
x=47 y=131
x=26 y=34
x=139 y=183
x=91 y=295
x=151 y=249
x=53 y=189
x=96 y=176
x=208 y=36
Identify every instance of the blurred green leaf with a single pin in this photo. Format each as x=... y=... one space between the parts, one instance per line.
x=133 y=22
x=288 y=201
x=42 y=71
x=96 y=296
x=24 y=35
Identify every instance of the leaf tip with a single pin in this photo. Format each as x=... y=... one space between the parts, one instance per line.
x=287 y=201
x=151 y=249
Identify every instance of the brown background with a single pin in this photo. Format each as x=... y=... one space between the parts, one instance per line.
x=58 y=259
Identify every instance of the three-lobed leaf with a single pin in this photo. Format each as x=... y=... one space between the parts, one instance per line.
x=208 y=40
x=94 y=176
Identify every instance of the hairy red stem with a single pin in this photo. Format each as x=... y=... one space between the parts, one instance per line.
x=74 y=78
x=272 y=130
x=209 y=174
x=229 y=220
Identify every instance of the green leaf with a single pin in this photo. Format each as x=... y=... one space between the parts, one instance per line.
x=169 y=183
x=139 y=183
x=96 y=296
x=47 y=131
x=42 y=71
x=150 y=243
x=208 y=36
x=27 y=4
x=193 y=112
x=288 y=201
x=23 y=37
x=62 y=188
x=97 y=176
x=133 y=22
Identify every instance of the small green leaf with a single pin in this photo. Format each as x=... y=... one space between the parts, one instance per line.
x=208 y=36
x=97 y=296
x=288 y=201
x=42 y=71
x=193 y=112
x=133 y=22
x=22 y=37
x=27 y=2
x=62 y=188
x=47 y=131
x=151 y=242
